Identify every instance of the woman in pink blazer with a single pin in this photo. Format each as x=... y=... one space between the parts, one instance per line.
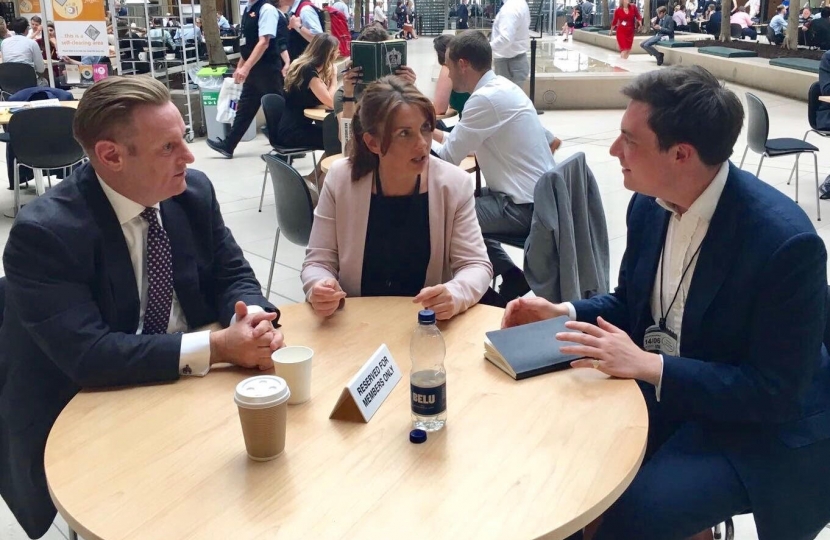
x=392 y=220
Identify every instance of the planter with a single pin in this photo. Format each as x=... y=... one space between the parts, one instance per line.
x=764 y=50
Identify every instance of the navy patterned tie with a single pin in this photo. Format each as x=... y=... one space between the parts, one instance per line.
x=159 y=276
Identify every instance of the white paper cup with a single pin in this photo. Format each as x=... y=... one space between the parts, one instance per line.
x=142 y=56
x=294 y=365
x=170 y=56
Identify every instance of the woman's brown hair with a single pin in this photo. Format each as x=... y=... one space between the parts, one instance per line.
x=375 y=114
x=322 y=51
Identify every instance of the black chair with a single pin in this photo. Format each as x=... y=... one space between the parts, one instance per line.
x=42 y=139
x=295 y=210
x=736 y=31
x=15 y=76
x=758 y=140
x=812 y=109
x=331 y=135
x=273 y=107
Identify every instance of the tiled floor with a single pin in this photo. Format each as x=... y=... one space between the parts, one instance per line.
x=238 y=183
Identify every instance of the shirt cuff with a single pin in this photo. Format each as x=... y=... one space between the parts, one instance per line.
x=194 y=356
x=571 y=310
x=660 y=382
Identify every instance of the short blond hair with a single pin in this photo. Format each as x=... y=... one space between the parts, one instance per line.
x=107 y=107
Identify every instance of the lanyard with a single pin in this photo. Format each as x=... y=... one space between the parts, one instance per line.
x=664 y=314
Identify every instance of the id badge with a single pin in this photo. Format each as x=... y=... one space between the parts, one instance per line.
x=624 y=23
x=242 y=41
x=659 y=340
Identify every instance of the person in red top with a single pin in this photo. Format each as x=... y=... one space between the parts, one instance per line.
x=626 y=21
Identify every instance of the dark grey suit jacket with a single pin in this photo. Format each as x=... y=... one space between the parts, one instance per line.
x=72 y=312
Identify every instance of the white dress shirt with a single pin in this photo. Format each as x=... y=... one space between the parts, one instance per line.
x=501 y=126
x=22 y=50
x=510 y=35
x=684 y=236
x=194 y=358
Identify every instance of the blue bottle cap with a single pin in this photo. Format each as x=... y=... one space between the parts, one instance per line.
x=417 y=436
x=426 y=316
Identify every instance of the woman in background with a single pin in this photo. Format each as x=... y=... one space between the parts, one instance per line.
x=626 y=21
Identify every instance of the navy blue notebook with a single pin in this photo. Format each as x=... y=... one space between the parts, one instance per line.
x=530 y=349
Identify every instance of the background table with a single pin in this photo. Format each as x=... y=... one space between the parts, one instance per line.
x=316 y=113
x=517 y=460
x=6 y=114
x=468 y=163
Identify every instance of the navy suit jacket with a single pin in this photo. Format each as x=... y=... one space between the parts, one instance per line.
x=753 y=372
x=72 y=312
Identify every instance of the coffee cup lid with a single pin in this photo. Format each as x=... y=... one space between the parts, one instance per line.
x=261 y=391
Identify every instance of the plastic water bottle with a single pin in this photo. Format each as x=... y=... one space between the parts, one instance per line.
x=428 y=379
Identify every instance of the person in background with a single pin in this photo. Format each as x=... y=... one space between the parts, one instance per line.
x=409 y=24
x=627 y=20
x=714 y=22
x=343 y=8
x=4 y=32
x=36 y=28
x=393 y=220
x=222 y=22
x=741 y=16
x=510 y=41
x=304 y=24
x=445 y=97
x=259 y=71
x=159 y=33
x=820 y=30
x=380 y=15
x=311 y=82
x=587 y=8
x=400 y=15
x=707 y=14
x=679 y=17
x=53 y=42
x=663 y=25
x=111 y=275
x=754 y=8
x=823 y=112
x=738 y=413
x=777 y=25
x=463 y=15
x=18 y=48
x=347 y=95
x=806 y=16
x=691 y=9
x=501 y=127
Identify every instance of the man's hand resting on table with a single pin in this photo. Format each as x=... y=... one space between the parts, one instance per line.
x=527 y=310
x=325 y=296
x=248 y=342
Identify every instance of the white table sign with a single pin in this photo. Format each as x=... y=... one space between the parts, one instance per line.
x=369 y=388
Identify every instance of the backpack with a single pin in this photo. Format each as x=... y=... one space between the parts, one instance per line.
x=335 y=23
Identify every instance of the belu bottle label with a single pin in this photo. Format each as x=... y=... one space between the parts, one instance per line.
x=429 y=401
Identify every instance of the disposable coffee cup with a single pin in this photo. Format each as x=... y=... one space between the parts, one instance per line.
x=170 y=56
x=294 y=365
x=142 y=56
x=262 y=403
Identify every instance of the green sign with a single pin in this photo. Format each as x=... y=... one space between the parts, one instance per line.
x=210 y=98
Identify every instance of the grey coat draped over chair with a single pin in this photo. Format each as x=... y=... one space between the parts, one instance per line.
x=566 y=253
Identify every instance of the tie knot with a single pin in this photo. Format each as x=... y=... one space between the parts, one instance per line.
x=149 y=214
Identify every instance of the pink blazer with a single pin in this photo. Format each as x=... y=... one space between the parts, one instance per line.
x=458 y=257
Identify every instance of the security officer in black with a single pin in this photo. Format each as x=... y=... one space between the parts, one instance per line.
x=259 y=70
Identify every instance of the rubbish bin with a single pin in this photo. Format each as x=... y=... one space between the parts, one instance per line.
x=210 y=83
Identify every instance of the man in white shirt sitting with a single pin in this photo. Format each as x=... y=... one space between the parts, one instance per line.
x=501 y=127
x=510 y=40
x=20 y=49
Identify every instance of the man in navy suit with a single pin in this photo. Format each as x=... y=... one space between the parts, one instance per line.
x=109 y=274
x=719 y=315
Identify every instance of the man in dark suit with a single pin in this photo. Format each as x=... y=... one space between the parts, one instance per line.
x=108 y=275
x=719 y=315
x=463 y=15
x=819 y=30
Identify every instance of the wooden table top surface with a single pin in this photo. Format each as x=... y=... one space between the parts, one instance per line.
x=518 y=459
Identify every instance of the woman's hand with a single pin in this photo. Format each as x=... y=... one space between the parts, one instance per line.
x=325 y=296
x=437 y=298
x=352 y=77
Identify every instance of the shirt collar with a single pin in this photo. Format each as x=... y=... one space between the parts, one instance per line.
x=125 y=209
x=704 y=206
x=487 y=77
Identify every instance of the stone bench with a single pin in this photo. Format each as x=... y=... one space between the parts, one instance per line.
x=801 y=64
x=727 y=52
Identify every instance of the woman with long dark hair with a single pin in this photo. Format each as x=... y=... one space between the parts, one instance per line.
x=392 y=220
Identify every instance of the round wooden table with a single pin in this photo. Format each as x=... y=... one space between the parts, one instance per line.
x=468 y=163
x=542 y=456
x=316 y=113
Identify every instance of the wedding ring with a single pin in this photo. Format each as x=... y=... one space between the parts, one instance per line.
x=595 y=362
